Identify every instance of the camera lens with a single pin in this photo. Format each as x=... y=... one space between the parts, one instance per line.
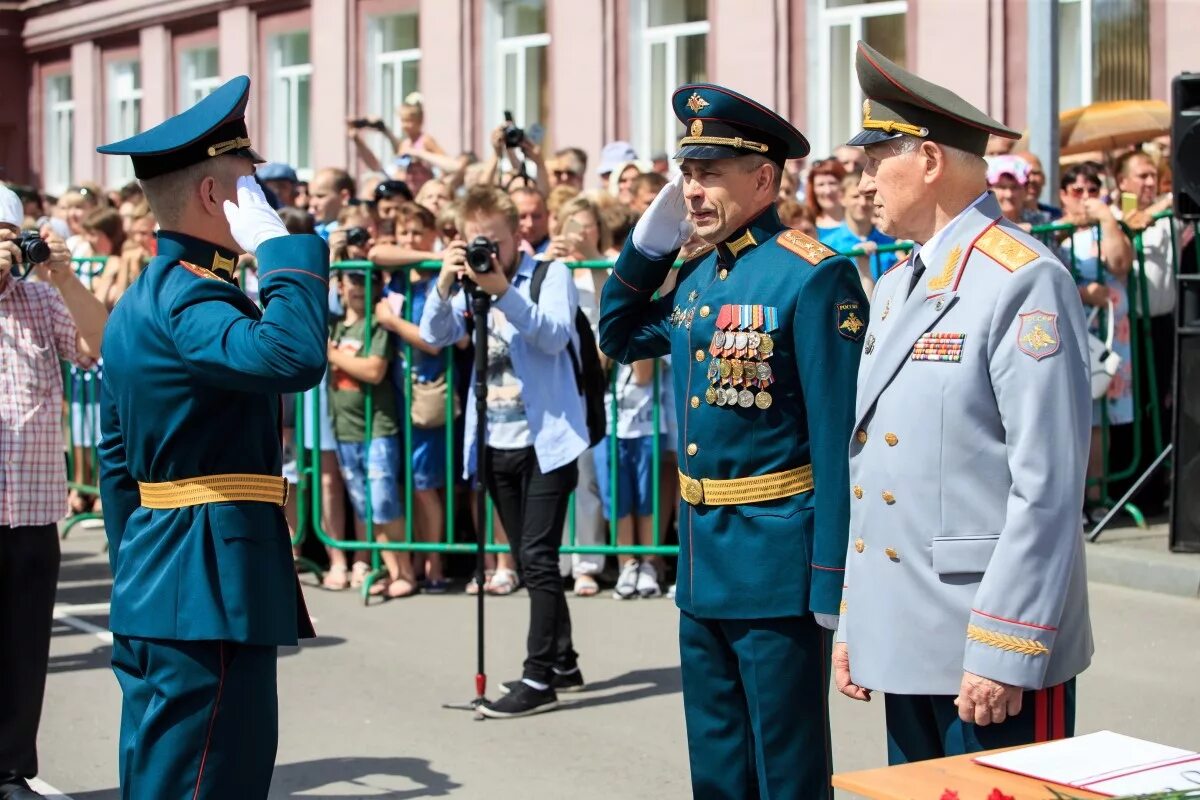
x=357 y=236
x=480 y=252
x=514 y=136
x=34 y=249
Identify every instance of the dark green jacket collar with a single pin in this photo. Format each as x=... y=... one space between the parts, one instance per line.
x=177 y=246
x=756 y=232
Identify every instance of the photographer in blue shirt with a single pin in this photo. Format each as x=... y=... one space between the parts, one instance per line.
x=536 y=425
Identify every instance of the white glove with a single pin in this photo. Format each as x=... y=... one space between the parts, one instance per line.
x=252 y=221
x=664 y=227
x=827 y=621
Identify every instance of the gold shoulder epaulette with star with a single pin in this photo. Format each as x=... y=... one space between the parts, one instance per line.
x=696 y=252
x=1005 y=249
x=806 y=247
x=199 y=271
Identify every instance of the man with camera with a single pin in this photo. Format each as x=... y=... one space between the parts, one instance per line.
x=40 y=323
x=536 y=425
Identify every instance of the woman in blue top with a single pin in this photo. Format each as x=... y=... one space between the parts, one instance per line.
x=823 y=196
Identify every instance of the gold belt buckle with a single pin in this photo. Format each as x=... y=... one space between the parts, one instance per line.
x=691 y=490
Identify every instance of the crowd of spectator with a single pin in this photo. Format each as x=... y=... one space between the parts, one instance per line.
x=401 y=213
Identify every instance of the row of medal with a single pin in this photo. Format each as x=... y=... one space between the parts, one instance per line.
x=740 y=348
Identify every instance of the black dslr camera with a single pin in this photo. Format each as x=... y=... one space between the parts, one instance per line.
x=513 y=136
x=33 y=247
x=480 y=252
x=358 y=236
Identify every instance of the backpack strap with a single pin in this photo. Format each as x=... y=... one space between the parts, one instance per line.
x=535 y=292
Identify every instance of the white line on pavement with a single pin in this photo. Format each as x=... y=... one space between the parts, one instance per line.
x=82 y=608
x=82 y=625
x=49 y=791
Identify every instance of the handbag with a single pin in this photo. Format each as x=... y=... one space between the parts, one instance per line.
x=1102 y=359
x=429 y=403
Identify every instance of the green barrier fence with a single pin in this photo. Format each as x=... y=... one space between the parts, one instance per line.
x=449 y=535
x=81 y=416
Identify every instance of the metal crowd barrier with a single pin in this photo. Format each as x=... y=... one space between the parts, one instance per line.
x=82 y=386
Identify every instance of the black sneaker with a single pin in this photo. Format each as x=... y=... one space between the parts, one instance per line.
x=560 y=682
x=522 y=701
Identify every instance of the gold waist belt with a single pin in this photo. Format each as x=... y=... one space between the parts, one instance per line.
x=744 y=491
x=214 y=489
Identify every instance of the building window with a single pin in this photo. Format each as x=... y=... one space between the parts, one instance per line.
x=124 y=114
x=290 y=101
x=840 y=25
x=669 y=45
x=199 y=75
x=518 y=72
x=57 y=158
x=394 y=56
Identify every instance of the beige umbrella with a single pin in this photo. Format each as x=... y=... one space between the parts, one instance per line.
x=1107 y=126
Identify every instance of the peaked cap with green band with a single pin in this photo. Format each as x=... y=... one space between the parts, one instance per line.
x=898 y=102
x=720 y=123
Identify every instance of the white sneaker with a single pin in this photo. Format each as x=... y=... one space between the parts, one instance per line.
x=671 y=592
x=627 y=584
x=647 y=581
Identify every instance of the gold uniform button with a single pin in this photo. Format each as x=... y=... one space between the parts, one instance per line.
x=858 y=493
x=861 y=436
x=724 y=274
x=692 y=449
x=889 y=498
x=705 y=311
x=859 y=545
x=892 y=439
x=699 y=355
x=891 y=553
x=695 y=402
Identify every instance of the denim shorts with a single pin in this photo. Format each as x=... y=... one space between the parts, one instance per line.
x=380 y=468
x=635 y=476
x=429 y=458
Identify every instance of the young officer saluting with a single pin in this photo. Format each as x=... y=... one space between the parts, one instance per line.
x=204 y=589
x=766 y=327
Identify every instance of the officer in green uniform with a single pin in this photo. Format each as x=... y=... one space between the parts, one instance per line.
x=765 y=328
x=204 y=589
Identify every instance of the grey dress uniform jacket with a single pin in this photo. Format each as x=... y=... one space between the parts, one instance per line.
x=967 y=469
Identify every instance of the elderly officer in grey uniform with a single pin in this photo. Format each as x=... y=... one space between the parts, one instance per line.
x=966 y=593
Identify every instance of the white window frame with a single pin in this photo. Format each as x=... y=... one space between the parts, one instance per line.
x=284 y=144
x=644 y=37
x=124 y=113
x=821 y=102
x=58 y=135
x=386 y=108
x=495 y=61
x=1084 y=65
x=192 y=89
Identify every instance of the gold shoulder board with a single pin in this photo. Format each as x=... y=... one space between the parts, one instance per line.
x=807 y=248
x=200 y=271
x=1004 y=248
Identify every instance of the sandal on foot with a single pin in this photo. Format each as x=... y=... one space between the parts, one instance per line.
x=401 y=587
x=337 y=578
x=586 y=586
x=473 y=585
x=358 y=574
x=504 y=582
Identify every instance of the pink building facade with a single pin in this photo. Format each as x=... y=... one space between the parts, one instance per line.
x=584 y=71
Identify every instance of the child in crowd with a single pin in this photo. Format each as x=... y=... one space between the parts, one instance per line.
x=859 y=231
x=632 y=494
x=363 y=464
x=416 y=235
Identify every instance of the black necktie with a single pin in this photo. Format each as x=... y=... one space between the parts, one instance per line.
x=918 y=271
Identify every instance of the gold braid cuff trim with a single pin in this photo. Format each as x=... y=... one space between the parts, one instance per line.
x=1006 y=642
x=842 y=608
x=214 y=489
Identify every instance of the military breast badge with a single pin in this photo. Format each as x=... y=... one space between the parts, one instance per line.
x=1037 y=335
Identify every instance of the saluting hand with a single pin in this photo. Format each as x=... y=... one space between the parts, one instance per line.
x=665 y=226
x=252 y=221
x=984 y=701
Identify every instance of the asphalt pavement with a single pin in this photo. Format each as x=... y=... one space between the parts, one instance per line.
x=361 y=706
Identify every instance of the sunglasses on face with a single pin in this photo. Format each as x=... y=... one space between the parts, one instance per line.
x=1080 y=191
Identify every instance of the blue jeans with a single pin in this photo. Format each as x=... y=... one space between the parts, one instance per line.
x=635 y=476
x=379 y=467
